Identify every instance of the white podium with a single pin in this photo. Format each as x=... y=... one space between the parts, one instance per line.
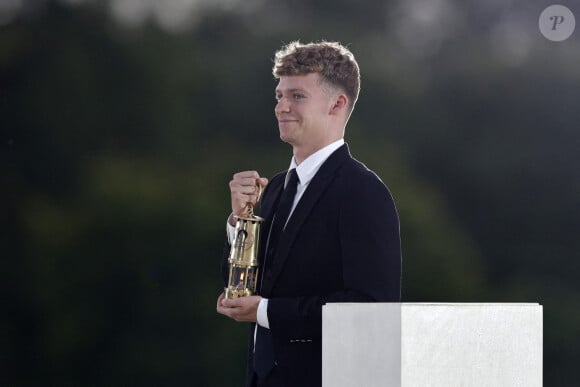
x=434 y=345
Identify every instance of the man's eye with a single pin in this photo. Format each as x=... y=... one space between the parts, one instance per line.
x=297 y=96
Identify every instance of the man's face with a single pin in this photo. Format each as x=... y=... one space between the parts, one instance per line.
x=302 y=110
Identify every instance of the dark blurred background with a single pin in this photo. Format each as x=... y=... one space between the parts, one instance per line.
x=122 y=122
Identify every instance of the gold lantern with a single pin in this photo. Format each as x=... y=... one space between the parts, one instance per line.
x=243 y=258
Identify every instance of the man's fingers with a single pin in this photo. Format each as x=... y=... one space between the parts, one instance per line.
x=229 y=308
x=219 y=302
x=249 y=175
x=254 y=174
x=241 y=309
x=247 y=179
x=245 y=189
x=226 y=303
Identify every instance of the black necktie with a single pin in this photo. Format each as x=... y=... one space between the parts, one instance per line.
x=263 y=349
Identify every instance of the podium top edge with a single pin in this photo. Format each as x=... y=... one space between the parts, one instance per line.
x=463 y=304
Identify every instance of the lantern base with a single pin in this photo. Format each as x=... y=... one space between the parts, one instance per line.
x=232 y=292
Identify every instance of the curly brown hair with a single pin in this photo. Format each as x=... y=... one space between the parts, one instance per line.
x=334 y=62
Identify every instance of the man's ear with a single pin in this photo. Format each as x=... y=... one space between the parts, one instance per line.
x=340 y=104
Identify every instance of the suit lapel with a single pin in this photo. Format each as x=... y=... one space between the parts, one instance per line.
x=270 y=199
x=268 y=206
x=313 y=192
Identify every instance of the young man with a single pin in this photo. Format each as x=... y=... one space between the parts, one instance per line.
x=340 y=242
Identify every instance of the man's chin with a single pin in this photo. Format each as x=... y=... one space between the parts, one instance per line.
x=285 y=139
x=285 y=135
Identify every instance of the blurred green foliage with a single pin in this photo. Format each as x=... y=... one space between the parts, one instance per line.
x=117 y=144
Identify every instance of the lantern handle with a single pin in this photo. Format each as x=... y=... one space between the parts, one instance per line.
x=250 y=206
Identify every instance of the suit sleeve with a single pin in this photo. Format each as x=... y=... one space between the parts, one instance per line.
x=370 y=241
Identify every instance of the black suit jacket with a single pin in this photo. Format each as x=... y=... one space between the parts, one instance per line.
x=341 y=244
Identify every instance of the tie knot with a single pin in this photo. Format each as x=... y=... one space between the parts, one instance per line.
x=292 y=178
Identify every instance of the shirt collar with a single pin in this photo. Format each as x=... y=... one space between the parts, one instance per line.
x=308 y=168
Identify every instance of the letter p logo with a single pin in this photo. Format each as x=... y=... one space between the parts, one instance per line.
x=557 y=20
x=557 y=23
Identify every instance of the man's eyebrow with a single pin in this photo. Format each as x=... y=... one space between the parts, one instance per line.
x=294 y=89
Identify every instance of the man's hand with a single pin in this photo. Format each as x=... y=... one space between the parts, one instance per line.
x=242 y=309
x=244 y=190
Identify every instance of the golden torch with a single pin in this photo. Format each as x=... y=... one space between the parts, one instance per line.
x=243 y=258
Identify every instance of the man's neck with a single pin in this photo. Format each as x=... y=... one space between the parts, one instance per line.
x=301 y=153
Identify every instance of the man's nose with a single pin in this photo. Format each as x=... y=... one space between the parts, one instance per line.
x=283 y=106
